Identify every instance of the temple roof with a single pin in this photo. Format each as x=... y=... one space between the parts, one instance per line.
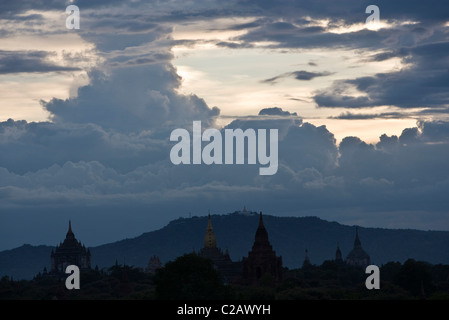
x=261 y=242
x=357 y=253
x=261 y=233
x=70 y=244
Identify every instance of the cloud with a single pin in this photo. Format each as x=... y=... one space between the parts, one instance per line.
x=275 y=111
x=358 y=116
x=427 y=78
x=29 y=62
x=130 y=100
x=75 y=161
x=434 y=131
x=428 y=111
x=149 y=58
x=248 y=25
x=298 y=75
x=311 y=164
x=61 y=165
x=268 y=118
x=34 y=146
x=411 y=161
x=308 y=146
x=233 y=45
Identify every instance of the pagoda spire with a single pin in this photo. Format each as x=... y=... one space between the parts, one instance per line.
x=70 y=233
x=261 y=239
x=209 y=239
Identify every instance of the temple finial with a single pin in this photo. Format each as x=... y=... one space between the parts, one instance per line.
x=70 y=232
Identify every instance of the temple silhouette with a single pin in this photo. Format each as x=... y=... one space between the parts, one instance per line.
x=69 y=252
x=261 y=262
x=230 y=271
x=262 y=259
x=357 y=257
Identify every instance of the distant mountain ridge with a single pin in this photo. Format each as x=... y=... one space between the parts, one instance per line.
x=289 y=236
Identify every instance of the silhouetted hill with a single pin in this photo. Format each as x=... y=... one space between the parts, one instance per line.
x=25 y=261
x=289 y=236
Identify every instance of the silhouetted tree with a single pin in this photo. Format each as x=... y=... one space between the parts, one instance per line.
x=189 y=277
x=416 y=277
x=390 y=270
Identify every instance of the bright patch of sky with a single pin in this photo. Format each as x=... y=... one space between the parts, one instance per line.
x=231 y=79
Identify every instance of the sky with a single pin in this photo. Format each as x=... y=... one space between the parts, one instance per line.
x=362 y=111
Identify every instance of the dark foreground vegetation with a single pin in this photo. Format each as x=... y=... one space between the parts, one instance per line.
x=190 y=277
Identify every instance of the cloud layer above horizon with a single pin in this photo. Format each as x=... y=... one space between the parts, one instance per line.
x=108 y=142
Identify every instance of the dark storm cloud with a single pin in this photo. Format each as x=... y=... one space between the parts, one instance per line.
x=413 y=163
x=289 y=35
x=311 y=166
x=348 y=10
x=296 y=32
x=424 y=84
x=35 y=146
x=298 y=75
x=29 y=62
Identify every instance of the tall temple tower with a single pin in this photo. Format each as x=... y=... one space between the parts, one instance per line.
x=358 y=257
x=262 y=258
x=210 y=249
x=71 y=251
x=230 y=271
x=210 y=241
